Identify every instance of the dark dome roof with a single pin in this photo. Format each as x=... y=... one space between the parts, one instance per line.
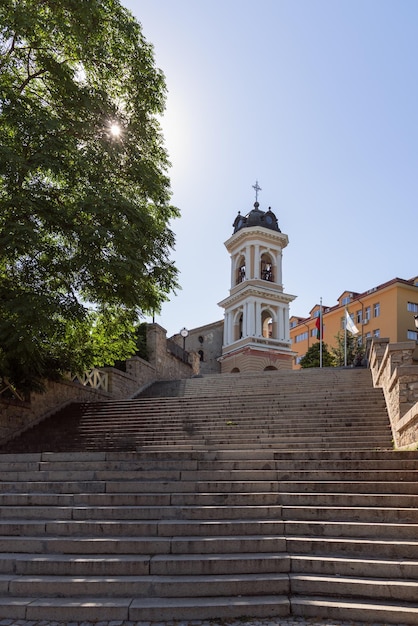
x=256 y=217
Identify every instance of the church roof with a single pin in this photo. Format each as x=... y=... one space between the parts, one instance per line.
x=256 y=217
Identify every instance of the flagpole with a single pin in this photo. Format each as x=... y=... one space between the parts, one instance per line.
x=345 y=338
x=320 y=333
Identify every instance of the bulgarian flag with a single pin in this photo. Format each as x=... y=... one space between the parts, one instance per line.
x=318 y=327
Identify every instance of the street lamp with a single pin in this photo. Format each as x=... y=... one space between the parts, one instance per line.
x=184 y=333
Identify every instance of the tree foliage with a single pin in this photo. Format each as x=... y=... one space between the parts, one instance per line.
x=85 y=241
x=343 y=350
x=312 y=357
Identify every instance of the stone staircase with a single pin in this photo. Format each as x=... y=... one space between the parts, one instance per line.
x=229 y=496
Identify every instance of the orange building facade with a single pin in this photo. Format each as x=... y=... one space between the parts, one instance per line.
x=387 y=310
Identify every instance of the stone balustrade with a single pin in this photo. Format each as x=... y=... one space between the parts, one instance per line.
x=394 y=368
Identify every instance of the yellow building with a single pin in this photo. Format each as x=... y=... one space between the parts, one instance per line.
x=387 y=310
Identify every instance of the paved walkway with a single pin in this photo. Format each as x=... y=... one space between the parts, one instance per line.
x=289 y=621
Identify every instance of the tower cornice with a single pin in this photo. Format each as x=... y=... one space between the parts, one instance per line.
x=256 y=232
x=254 y=291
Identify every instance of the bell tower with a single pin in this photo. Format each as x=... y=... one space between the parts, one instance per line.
x=256 y=326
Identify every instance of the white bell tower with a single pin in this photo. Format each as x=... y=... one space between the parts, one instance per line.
x=256 y=326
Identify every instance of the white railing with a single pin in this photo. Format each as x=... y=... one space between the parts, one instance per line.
x=97 y=379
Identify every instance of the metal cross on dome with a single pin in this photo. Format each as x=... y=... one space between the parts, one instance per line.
x=257 y=189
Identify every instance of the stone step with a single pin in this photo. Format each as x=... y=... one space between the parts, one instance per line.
x=373 y=459
x=146 y=586
x=361 y=547
x=217 y=528
x=142 y=513
x=33 y=564
x=354 y=566
x=361 y=610
x=224 y=459
x=227 y=442
x=140 y=528
x=340 y=545
x=228 y=455
x=215 y=498
x=367 y=462
x=239 y=432
x=142 y=545
x=378 y=500
x=142 y=499
x=345 y=586
x=351 y=514
x=385 y=481
x=296 y=398
x=350 y=529
x=269 y=411
x=100 y=608
x=271 y=417
x=382 y=484
x=137 y=440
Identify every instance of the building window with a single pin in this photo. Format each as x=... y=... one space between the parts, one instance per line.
x=301 y=337
x=345 y=301
x=376 y=309
x=413 y=335
x=376 y=333
x=314 y=332
x=293 y=324
x=413 y=307
x=201 y=355
x=298 y=359
x=359 y=316
x=367 y=312
x=201 y=339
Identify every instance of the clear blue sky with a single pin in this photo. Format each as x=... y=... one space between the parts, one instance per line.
x=318 y=100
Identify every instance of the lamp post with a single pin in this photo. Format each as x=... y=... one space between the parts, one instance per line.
x=184 y=333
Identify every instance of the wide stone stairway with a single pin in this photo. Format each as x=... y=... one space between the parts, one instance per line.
x=228 y=496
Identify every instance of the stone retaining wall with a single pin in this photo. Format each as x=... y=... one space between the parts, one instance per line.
x=17 y=416
x=394 y=368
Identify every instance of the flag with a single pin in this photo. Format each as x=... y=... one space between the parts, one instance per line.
x=349 y=324
x=318 y=327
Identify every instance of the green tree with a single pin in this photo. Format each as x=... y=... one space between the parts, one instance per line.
x=85 y=206
x=312 y=357
x=339 y=351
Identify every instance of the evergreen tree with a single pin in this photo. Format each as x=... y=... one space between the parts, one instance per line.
x=84 y=191
x=339 y=351
x=312 y=357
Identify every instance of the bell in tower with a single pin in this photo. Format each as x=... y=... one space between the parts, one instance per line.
x=256 y=324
